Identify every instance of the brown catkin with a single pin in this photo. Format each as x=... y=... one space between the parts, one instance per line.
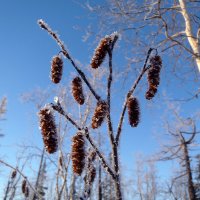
x=77 y=90
x=133 y=111
x=48 y=129
x=91 y=156
x=23 y=186
x=26 y=194
x=153 y=76
x=14 y=173
x=91 y=174
x=78 y=153
x=56 y=69
x=100 y=52
x=99 y=114
x=60 y=161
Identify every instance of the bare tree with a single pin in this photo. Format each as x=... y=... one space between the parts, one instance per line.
x=182 y=138
x=170 y=26
x=197 y=177
x=103 y=108
x=146 y=184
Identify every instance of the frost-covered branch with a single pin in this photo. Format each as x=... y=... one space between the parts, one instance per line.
x=60 y=110
x=20 y=172
x=144 y=69
x=44 y=26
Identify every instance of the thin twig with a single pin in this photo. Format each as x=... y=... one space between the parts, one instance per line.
x=109 y=83
x=59 y=109
x=101 y=158
x=144 y=69
x=110 y=128
x=44 y=26
x=10 y=166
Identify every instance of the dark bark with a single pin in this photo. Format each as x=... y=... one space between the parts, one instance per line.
x=38 y=175
x=99 y=184
x=191 y=189
x=72 y=188
x=7 y=190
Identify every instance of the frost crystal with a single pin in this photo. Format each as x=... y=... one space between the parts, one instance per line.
x=56 y=99
x=114 y=34
x=42 y=24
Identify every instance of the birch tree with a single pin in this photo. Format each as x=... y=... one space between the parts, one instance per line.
x=182 y=136
x=171 y=26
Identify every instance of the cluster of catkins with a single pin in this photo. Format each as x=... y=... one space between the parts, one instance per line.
x=25 y=188
x=47 y=123
x=153 y=76
x=56 y=75
x=97 y=59
x=48 y=128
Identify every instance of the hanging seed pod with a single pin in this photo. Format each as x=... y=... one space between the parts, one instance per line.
x=60 y=161
x=48 y=128
x=13 y=175
x=77 y=90
x=100 y=52
x=56 y=69
x=91 y=156
x=153 y=76
x=133 y=111
x=23 y=186
x=151 y=92
x=26 y=194
x=78 y=153
x=99 y=114
x=91 y=174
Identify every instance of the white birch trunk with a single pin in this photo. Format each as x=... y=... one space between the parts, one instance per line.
x=193 y=41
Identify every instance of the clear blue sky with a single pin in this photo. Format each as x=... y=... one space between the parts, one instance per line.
x=26 y=51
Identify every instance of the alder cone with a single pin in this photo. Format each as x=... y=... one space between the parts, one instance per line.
x=151 y=92
x=78 y=153
x=26 y=193
x=24 y=186
x=14 y=173
x=153 y=76
x=133 y=111
x=77 y=90
x=48 y=129
x=91 y=174
x=56 y=69
x=100 y=52
x=60 y=161
x=99 y=114
x=91 y=156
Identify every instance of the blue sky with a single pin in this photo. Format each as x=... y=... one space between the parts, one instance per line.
x=26 y=52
